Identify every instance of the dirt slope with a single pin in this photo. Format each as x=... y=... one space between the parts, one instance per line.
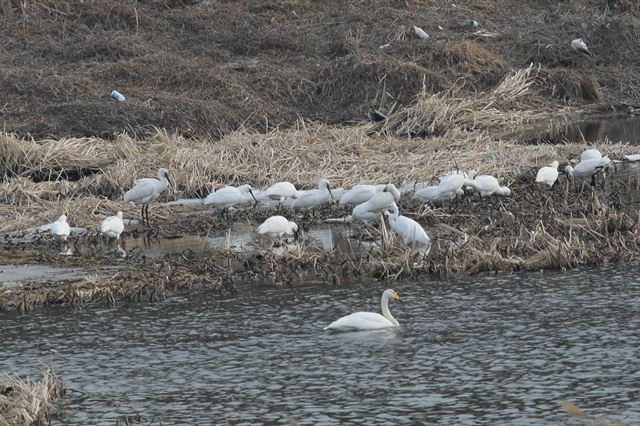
x=207 y=67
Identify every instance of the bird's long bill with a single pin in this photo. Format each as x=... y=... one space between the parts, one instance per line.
x=173 y=185
x=333 y=200
x=254 y=197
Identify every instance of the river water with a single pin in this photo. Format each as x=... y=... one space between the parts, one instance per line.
x=491 y=349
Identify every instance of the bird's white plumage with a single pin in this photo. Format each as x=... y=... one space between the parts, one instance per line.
x=580 y=46
x=229 y=196
x=112 y=226
x=60 y=228
x=277 y=226
x=587 y=168
x=368 y=320
x=370 y=210
x=148 y=189
x=436 y=194
x=314 y=198
x=410 y=231
x=360 y=194
x=486 y=185
x=548 y=174
x=632 y=157
x=590 y=154
x=420 y=33
x=281 y=191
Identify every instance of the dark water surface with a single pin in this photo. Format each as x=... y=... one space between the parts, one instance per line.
x=488 y=350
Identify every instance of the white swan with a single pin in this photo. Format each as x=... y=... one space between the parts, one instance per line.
x=548 y=175
x=368 y=320
x=148 y=189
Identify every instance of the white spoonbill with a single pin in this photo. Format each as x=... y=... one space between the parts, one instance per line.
x=588 y=168
x=112 y=226
x=60 y=231
x=230 y=196
x=148 y=189
x=281 y=191
x=580 y=46
x=548 y=175
x=410 y=231
x=277 y=226
x=314 y=198
x=360 y=194
x=370 y=210
x=436 y=194
x=486 y=185
x=368 y=320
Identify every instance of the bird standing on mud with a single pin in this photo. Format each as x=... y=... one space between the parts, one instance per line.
x=60 y=230
x=112 y=227
x=148 y=189
x=281 y=191
x=548 y=175
x=580 y=46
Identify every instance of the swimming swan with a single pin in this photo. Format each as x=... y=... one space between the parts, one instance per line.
x=368 y=320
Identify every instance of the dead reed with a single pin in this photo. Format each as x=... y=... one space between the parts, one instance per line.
x=29 y=402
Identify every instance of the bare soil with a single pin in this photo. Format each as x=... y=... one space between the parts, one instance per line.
x=205 y=68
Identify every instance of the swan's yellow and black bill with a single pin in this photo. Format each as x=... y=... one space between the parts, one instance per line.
x=396 y=296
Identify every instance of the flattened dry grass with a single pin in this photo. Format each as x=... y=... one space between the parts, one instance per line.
x=29 y=403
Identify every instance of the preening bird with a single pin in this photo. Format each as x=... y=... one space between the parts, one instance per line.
x=368 y=320
x=588 y=169
x=421 y=33
x=548 y=175
x=112 y=226
x=410 y=231
x=148 y=189
x=371 y=209
x=277 y=226
x=580 y=46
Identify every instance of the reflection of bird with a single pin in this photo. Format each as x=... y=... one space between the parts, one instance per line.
x=580 y=46
x=148 y=189
x=277 y=226
x=360 y=194
x=411 y=232
x=60 y=230
x=281 y=191
x=420 y=33
x=314 y=198
x=368 y=320
x=548 y=174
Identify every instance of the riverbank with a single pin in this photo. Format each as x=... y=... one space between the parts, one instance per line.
x=29 y=403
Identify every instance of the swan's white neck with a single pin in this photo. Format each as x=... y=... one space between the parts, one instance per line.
x=384 y=305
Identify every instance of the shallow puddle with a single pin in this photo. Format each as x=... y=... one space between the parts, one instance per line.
x=13 y=273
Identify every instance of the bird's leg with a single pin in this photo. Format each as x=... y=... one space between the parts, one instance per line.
x=142 y=214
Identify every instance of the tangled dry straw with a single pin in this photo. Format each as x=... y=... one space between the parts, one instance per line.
x=29 y=403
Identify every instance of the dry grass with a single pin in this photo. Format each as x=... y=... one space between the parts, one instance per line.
x=28 y=403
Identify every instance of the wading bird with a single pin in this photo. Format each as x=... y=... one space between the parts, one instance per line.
x=360 y=194
x=548 y=175
x=380 y=202
x=368 y=320
x=486 y=186
x=277 y=226
x=411 y=232
x=230 y=196
x=580 y=46
x=281 y=191
x=314 y=198
x=60 y=231
x=148 y=189
x=112 y=227
x=588 y=169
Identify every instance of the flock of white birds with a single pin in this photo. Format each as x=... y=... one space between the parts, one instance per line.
x=370 y=203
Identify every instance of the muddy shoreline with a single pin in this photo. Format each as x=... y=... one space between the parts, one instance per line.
x=535 y=229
